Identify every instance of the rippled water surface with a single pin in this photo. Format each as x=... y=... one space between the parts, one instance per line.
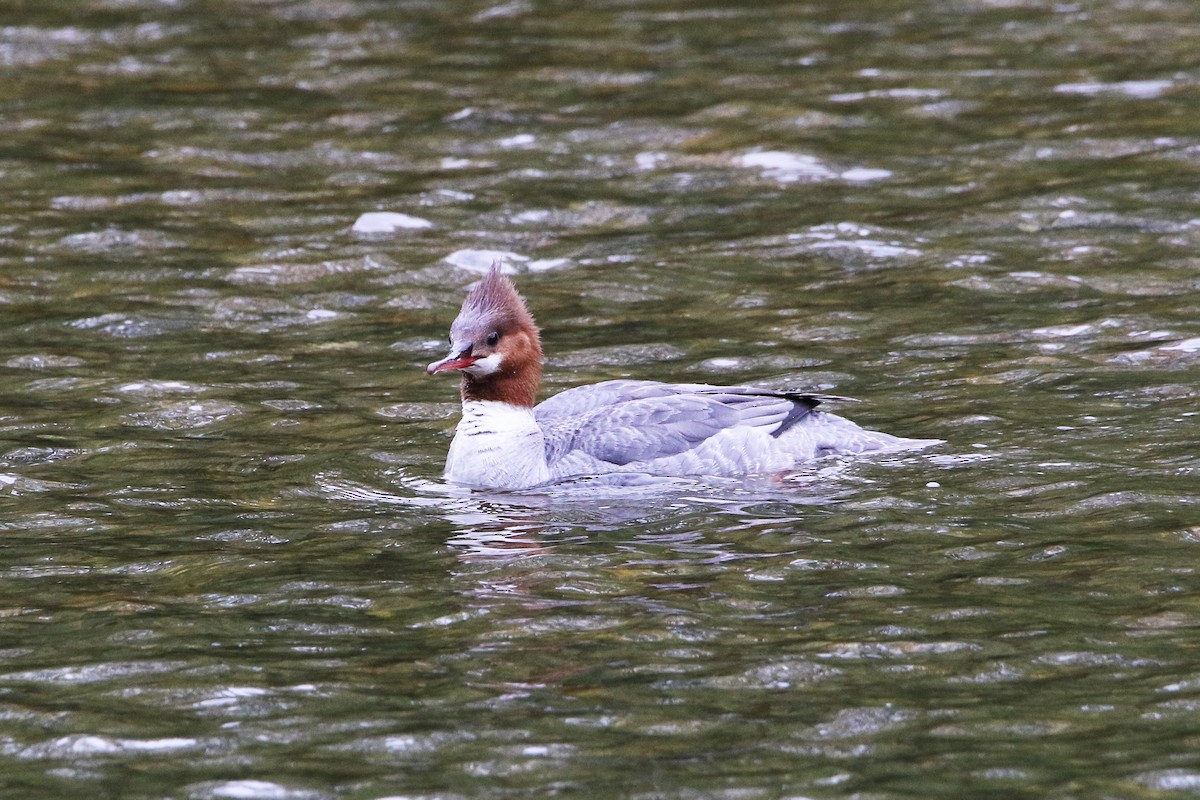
x=230 y=569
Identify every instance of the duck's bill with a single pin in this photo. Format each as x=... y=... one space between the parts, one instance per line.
x=452 y=362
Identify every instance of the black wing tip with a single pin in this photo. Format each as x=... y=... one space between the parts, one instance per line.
x=817 y=399
x=803 y=405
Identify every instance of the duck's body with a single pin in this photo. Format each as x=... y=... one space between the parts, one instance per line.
x=504 y=441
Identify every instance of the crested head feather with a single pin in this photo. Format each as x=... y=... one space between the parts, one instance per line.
x=496 y=300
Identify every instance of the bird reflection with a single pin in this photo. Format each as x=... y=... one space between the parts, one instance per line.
x=514 y=524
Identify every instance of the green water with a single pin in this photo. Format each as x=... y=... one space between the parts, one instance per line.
x=229 y=567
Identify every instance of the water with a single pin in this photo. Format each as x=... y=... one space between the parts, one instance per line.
x=230 y=569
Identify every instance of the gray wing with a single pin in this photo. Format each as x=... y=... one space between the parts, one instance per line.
x=621 y=422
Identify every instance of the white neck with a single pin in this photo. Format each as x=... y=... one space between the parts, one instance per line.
x=497 y=446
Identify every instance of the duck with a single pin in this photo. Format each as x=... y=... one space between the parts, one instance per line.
x=506 y=440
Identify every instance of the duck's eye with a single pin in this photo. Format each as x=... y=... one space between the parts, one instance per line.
x=493 y=339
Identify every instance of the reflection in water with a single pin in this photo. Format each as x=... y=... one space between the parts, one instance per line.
x=527 y=522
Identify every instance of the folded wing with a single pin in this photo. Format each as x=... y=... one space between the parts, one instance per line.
x=622 y=422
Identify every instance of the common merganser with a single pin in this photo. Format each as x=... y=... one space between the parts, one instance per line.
x=504 y=441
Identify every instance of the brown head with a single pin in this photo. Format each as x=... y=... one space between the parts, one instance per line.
x=495 y=344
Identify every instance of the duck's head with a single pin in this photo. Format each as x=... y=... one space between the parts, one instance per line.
x=495 y=344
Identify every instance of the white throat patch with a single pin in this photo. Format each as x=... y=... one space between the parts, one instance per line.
x=485 y=366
